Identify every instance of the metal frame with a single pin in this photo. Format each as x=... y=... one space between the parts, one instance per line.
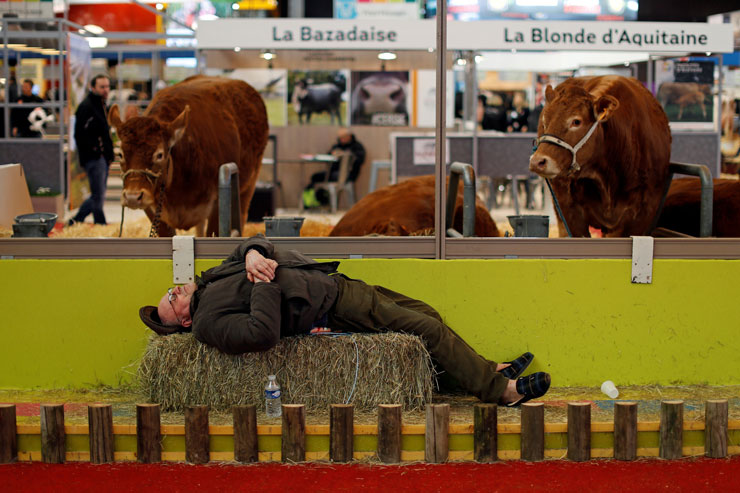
x=377 y=247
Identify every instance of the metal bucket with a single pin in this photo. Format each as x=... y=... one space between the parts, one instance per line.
x=35 y=225
x=530 y=226
x=283 y=226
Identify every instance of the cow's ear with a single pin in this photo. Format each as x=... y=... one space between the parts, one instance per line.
x=549 y=93
x=178 y=126
x=114 y=117
x=605 y=107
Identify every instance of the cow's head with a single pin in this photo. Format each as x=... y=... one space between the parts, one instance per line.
x=568 y=134
x=146 y=163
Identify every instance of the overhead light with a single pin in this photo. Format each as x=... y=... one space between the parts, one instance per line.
x=461 y=61
x=160 y=6
x=709 y=53
x=237 y=49
x=626 y=64
x=430 y=50
x=268 y=55
x=387 y=55
x=235 y=6
x=96 y=41
x=478 y=58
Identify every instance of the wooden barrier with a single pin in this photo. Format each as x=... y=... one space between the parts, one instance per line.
x=245 y=433
x=715 y=429
x=436 y=443
x=293 y=447
x=485 y=434
x=196 y=435
x=579 y=431
x=389 y=433
x=671 y=429
x=625 y=430
x=341 y=432
x=148 y=433
x=100 y=423
x=533 y=431
x=8 y=436
x=716 y=437
x=52 y=433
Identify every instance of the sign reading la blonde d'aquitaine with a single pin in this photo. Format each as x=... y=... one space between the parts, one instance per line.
x=359 y=34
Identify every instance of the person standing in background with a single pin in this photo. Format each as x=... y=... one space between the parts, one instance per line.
x=20 y=125
x=94 y=147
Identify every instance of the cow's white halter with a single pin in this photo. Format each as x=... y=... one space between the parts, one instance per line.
x=552 y=139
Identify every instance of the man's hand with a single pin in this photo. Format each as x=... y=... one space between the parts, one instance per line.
x=259 y=268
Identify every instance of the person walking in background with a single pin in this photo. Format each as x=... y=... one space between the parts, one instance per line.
x=94 y=147
x=518 y=114
x=346 y=141
x=21 y=126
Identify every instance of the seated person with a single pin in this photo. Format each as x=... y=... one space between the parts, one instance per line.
x=261 y=294
x=345 y=142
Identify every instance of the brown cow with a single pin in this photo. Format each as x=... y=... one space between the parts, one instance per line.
x=177 y=146
x=406 y=208
x=681 y=208
x=605 y=143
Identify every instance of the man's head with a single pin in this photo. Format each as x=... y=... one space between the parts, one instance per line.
x=27 y=87
x=172 y=314
x=344 y=136
x=100 y=86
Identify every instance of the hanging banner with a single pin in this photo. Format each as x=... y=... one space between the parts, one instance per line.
x=78 y=77
x=394 y=34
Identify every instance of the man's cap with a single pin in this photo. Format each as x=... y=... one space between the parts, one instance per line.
x=150 y=317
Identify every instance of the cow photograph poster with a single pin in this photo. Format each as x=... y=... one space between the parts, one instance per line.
x=317 y=97
x=684 y=89
x=273 y=87
x=380 y=98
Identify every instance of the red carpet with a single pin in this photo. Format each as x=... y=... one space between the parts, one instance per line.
x=596 y=476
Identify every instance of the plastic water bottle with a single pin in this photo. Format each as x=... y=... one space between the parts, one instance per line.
x=273 y=406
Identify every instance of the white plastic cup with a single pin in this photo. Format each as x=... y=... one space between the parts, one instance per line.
x=610 y=389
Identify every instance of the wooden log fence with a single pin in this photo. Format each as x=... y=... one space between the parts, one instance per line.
x=485 y=429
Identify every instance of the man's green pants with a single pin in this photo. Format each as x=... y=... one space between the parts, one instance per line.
x=364 y=308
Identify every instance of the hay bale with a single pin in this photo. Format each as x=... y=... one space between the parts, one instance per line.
x=316 y=371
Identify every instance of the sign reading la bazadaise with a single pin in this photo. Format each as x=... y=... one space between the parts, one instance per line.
x=479 y=35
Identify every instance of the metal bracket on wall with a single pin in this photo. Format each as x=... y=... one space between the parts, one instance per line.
x=183 y=259
x=642 y=260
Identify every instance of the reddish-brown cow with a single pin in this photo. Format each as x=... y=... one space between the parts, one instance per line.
x=605 y=143
x=406 y=208
x=177 y=146
x=681 y=209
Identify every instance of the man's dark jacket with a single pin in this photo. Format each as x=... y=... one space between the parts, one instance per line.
x=92 y=133
x=238 y=316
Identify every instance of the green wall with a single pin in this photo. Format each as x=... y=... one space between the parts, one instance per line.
x=74 y=323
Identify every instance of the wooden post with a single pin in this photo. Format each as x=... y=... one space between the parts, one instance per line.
x=100 y=432
x=52 y=433
x=341 y=432
x=245 y=433
x=436 y=447
x=579 y=431
x=196 y=435
x=533 y=431
x=389 y=433
x=8 y=434
x=293 y=447
x=671 y=429
x=715 y=429
x=485 y=437
x=148 y=434
x=625 y=430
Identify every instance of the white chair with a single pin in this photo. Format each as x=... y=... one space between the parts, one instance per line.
x=334 y=188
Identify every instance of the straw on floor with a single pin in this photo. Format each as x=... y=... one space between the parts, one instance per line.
x=318 y=370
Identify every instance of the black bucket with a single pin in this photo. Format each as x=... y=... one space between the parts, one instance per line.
x=35 y=225
x=283 y=226
x=530 y=226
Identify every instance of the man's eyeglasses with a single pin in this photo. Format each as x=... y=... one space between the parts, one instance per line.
x=171 y=296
